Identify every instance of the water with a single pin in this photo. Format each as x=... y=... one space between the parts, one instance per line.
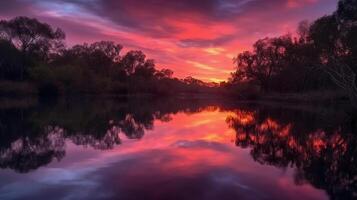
x=175 y=149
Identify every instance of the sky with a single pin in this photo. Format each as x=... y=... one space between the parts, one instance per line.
x=197 y=38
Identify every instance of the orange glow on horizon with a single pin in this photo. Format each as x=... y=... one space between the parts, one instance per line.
x=192 y=39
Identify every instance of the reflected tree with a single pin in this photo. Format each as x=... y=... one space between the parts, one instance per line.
x=36 y=136
x=324 y=156
x=26 y=154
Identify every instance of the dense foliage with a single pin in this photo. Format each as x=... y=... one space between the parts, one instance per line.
x=35 y=53
x=321 y=55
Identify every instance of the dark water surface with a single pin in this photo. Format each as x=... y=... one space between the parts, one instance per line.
x=175 y=149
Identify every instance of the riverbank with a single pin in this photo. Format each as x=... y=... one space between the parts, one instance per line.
x=20 y=90
x=327 y=96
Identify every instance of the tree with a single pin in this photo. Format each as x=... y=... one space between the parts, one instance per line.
x=265 y=61
x=322 y=51
x=193 y=81
x=164 y=74
x=31 y=36
x=34 y=51
x=100 y=57
x=325 y=36
x=132 y=60
x=107 y=48
x=347 y=10
x=10 y=65
x=303 y=31
x=145 y=70
x=334 y=38
x=30 y=41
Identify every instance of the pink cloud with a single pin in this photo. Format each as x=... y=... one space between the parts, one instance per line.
x=193 y=38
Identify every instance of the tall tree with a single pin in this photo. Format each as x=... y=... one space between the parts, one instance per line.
x=334 y=37
x=31 y=36
x=11 y=66
x=265 y=61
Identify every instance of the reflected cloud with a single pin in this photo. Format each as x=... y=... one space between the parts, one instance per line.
x=154 y=149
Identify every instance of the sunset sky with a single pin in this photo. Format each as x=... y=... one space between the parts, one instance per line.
x=195 y=38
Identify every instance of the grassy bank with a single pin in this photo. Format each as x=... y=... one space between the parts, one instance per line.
x=327 y=96
x=247 y=92
x=15 y=88
x=29 y=89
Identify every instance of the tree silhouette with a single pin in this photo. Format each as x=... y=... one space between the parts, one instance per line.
x=11 y=67
x=31 y=36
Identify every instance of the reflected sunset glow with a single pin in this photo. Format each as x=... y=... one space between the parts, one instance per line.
x=175 y=151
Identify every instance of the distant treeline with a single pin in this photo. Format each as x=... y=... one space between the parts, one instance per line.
x=321 y=56
x=34 y=59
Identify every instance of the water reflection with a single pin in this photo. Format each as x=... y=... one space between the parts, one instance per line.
x=321 y=148
x=176 y=149
x=34 y=136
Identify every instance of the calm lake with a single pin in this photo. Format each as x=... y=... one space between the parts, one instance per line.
x=175 y=149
